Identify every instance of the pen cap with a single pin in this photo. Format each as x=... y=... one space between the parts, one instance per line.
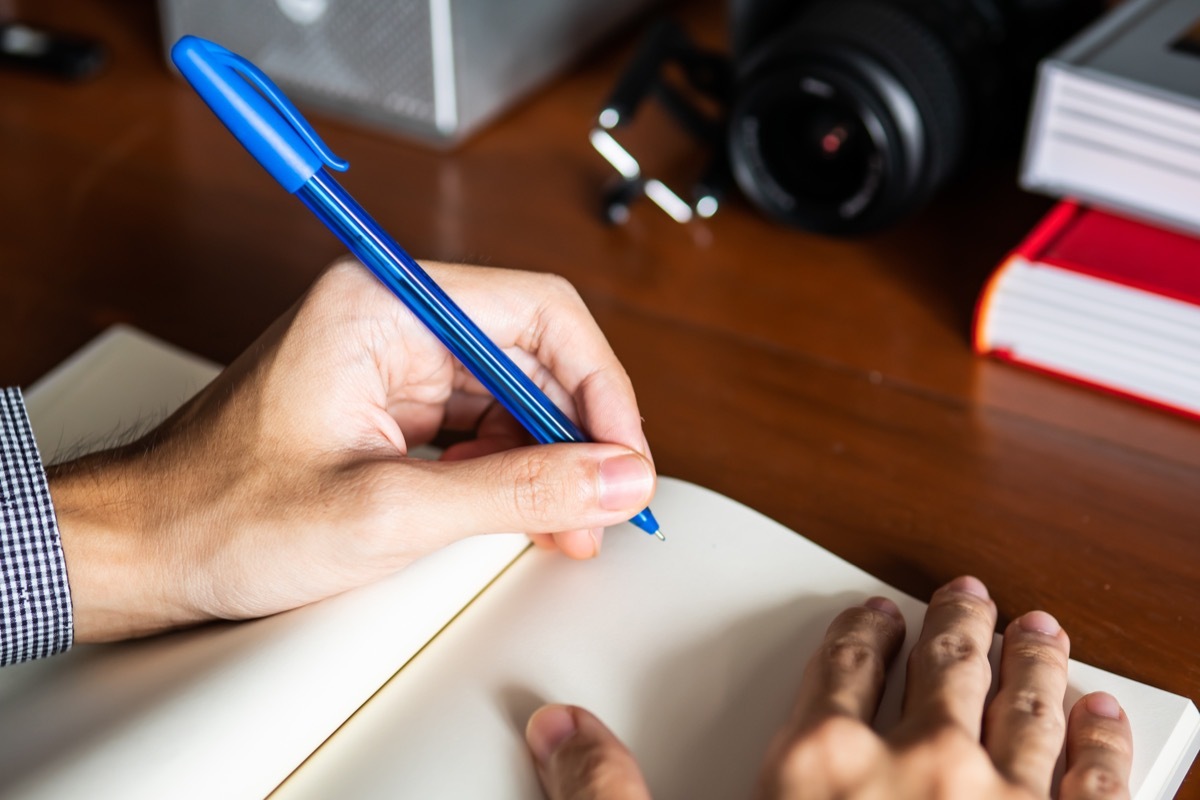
x=254 y=110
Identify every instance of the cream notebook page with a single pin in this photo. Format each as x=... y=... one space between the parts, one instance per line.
x=691 y=650
x=224 y=711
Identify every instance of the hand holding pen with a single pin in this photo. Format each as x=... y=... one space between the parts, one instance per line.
x=287 y=479
x=271 y=128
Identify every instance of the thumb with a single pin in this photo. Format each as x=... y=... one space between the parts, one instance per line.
x=578 y=758
x=544 y=488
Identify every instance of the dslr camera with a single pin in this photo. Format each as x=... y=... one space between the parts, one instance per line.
x=844 y=116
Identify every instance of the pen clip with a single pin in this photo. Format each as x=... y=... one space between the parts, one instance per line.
x=268 y=89
x=255 y=110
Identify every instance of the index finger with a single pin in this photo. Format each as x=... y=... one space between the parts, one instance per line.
x=544 y=315
x=839 y=694
x=846 y=675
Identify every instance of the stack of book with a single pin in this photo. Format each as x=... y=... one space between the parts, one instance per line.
x=1103 y=300
x=1106 y=289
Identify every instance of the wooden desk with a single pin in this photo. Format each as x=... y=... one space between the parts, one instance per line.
x=827 y=383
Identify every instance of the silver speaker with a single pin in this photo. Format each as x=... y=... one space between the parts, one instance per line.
x=437 y=69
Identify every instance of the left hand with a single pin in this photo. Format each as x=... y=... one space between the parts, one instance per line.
x=946 y=744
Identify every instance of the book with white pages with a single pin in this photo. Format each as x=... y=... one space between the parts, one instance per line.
x=1102 y=300
x=420 y=685
x=1115 y=117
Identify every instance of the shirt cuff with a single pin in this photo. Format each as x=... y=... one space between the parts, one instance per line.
x=35 y=599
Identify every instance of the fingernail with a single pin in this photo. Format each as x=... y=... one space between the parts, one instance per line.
x=1103 y=704
x=1039 y=622
x=597 y=537
x=578 y=544
x=969 y=585
x=548 y=728
x=885 y=605
x=624 y=481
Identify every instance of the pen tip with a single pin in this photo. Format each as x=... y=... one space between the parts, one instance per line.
x=659 y=534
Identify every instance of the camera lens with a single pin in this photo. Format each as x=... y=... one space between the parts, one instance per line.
x=811 y=153
x=848 y=119
x=820 y=144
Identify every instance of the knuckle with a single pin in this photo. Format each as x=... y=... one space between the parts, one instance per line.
x=1032 y=703
x=951 y=648
x=560 y=303
x=867 y=623
x=947 y=756
x=821 y=750
x=555 y=285
x=339 y=276
x=1035 y=654
x=530 y=494
x=1032 y=709
x=799 y=763
x=1094 y=781
x=540 y=483
x=863 y=619
x=950 y=739
x=1102 y=739
x=839 y=732
x=960 y=769
x=851 y=653
x=966 y=609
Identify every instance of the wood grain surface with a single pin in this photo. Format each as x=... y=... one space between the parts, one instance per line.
x=828 y=383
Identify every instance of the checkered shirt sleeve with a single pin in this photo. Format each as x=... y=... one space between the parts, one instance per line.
x=35 y=601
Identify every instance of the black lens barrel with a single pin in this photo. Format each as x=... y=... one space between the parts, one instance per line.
x=895 y=80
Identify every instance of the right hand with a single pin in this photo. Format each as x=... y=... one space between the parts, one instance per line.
x=947 y=745
x=288 y=479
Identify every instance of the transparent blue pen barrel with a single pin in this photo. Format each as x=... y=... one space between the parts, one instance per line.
x=461 y=336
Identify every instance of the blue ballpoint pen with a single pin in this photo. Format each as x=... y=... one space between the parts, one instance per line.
x=275 y=133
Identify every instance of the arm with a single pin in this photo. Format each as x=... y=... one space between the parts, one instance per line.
x=35 y=602
x=288 y=479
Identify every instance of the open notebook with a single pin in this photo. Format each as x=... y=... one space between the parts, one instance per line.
x=419 y=686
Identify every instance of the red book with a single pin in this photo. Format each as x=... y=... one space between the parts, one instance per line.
x=1101 y=300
